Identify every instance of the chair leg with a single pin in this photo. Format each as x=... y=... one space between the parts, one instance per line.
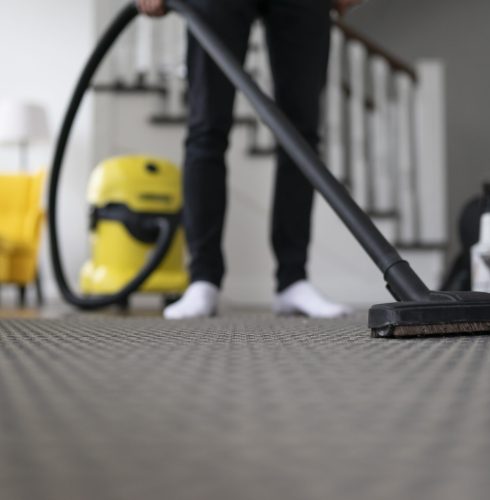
x=22 y=296
x=39 y=290
x=124 y=305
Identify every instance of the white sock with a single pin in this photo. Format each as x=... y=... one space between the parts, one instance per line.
x=302 y=298
x=200 y=300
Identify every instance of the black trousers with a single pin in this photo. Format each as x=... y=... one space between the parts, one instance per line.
x=298 y=33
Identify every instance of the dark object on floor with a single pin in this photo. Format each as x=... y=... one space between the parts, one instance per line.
x=246 y=407
x=22 y=292
x=419 y=311
x=459 y=275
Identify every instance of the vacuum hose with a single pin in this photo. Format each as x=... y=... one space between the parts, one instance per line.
x=164 y=238
x=402 y=281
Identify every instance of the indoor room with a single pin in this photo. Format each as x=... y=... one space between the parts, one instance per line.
x=244 y=250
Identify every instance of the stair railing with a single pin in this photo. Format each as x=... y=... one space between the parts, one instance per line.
x=384 y=135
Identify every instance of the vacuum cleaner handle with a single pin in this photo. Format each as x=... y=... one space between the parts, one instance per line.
x=401 y=279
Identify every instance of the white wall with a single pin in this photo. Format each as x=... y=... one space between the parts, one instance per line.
x=42 y=47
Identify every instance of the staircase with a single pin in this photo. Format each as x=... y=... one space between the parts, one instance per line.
x=383 y=138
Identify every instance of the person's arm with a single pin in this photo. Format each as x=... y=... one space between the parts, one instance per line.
x=342 y=6
x=152 y=8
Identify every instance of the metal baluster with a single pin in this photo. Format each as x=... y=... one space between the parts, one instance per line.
x=124 y=55
x=242 y=107
x=334 y=146
x=173 y=68
x=431 y=148
x=357 y=133
x=264 y=139
x=382 y=173
x=145 y=64
x=406 y=189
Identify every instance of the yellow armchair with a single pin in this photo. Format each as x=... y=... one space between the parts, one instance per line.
x=21 y=222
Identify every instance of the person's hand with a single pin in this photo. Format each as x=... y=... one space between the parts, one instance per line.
x=152 y=8
x=342 y=6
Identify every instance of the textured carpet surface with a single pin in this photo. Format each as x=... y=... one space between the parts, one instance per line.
x=240 y=407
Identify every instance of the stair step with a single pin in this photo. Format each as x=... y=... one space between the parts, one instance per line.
x=422 y=246
x=168 y=120
x=181 y=120
x=376 y=214
x=124 y=88
x=261 y=152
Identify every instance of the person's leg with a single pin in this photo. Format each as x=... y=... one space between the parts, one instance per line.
x=211 y=98
x=298 y=34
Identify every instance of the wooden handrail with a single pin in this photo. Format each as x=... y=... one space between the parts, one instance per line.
x=375 y=49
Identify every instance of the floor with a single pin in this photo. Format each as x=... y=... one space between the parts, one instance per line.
x=244 y=406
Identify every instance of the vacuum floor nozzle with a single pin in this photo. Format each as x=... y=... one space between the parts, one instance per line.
x=441 y=314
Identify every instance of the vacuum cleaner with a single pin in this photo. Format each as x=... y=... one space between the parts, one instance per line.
x=128 y=195
x=417 y=311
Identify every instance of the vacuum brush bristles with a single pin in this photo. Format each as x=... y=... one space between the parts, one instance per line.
x=443 y=313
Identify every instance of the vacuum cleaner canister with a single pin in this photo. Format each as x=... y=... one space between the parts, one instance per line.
x=126 y=195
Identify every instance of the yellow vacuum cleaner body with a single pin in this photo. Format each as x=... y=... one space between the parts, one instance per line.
x=125 y=194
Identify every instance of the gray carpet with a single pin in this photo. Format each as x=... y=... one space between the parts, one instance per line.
x=240 y=407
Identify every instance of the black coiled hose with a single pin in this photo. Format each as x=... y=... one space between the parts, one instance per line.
x=118 y=25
